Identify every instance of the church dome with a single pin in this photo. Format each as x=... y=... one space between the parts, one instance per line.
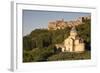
x=73 y=31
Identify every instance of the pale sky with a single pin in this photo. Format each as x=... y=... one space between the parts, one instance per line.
x=33 y=19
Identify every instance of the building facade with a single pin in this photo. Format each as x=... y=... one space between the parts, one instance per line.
x=73 y=43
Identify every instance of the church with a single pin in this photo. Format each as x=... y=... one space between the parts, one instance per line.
x=73 y=43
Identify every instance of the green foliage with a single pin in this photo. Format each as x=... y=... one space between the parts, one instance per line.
x=70 y=56
x=58 y=36
x=27 y=57
x=27 y=43
x=37 y=54
x=47 y=54
x=84 y=31
x=41 y=38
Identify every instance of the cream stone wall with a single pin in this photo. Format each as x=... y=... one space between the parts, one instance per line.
x=68 y=44
x=80 y=47
x=76 y=42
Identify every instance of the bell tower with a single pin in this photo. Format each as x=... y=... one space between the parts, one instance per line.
x=73 y=32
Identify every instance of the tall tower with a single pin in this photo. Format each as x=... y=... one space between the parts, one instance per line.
x=73 y=32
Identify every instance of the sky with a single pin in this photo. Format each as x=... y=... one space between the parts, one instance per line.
x=34 y=19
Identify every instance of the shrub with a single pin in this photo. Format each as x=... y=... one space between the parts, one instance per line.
x=70 y=56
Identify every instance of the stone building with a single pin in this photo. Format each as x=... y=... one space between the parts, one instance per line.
x=58 y=24
x=73 y=43
x=61 y=24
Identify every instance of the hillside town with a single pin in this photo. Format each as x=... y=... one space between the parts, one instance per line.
x=61 y=24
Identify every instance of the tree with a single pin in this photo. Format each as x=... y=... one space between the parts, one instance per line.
x=27 y=43
x=84 y=30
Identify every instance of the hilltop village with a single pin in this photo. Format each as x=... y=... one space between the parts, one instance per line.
x=61 y=24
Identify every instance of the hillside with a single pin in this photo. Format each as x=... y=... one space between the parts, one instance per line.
x=39 y=45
